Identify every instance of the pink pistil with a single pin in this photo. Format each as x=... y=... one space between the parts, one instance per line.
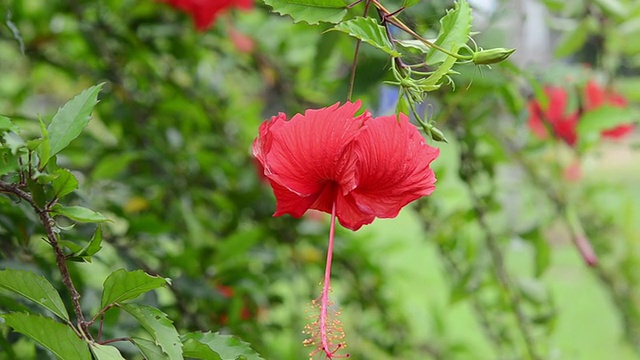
x=324 y=338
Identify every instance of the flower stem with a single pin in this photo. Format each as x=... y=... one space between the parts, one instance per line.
x=324 y=336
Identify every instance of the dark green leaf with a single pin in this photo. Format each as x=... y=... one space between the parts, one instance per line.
x=149 y=349
x=37 y=192
x=64 y=183
x=454 y=32
x=368 y=30
x=8 y=161
x=78 y=213
x=44 y=145
x=159 y=327
x=68 y=122
x=58 y=338
x=206 y=345
x=310 y=11
x=35 y=288
x=105 y=352
x=124 y=285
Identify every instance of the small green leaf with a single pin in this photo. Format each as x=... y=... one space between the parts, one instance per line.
x=149 y=349
x=454 y=32
x=207 y=345
x=35 y=288
x=159 y=327
x=310 y=11
x=37 y=192
x=124 y=285
x=7 y=125
x=58 y=338
x=68 y=122
x=105 y=352
x=79 y=213
x=64 y=183
x=368 y=30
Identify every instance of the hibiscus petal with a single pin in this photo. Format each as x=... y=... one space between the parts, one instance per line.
x=350 y=215
x=393 y=166
x=310 y=156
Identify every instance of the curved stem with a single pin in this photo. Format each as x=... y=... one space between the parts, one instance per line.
x=352 y=79
x=324 y=336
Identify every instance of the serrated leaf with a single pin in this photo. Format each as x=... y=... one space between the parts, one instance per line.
x=105 y=352
x=455 y=27
x=205 y=345
x=64 y=183
x=149 y=349
x=70 y=120
x=310 y=11
x=122 y=285
x=158 y=326
x=368 y=30
x=35 y=288
x=58 y=338
x=593 y=122
x=79 y=213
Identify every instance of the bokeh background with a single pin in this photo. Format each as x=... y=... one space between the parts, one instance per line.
x=485 y=268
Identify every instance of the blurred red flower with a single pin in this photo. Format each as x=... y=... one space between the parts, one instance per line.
x=368 y=167
x=204 y=12
x=596 y=96
x=554 y=117
x=562 y=124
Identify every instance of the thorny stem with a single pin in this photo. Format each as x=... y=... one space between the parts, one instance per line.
x=48 y=224
x=326 y=288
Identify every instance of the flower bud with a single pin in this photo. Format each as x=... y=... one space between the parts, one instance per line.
x=491 y=56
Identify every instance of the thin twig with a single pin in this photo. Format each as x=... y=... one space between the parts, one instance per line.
x=52 y=239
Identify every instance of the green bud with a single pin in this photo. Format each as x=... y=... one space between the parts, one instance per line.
x=491 y=56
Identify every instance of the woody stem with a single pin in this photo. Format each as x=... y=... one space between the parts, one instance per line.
x=325 y=288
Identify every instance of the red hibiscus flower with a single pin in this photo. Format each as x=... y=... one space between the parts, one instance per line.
x=596 y=96
x=204 y=12
x=356 y=168
x=554 y=117
x=367 y=167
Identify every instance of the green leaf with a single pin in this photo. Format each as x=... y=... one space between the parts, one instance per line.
x=68 y=122
x=8 y=161
x=207 y=345
x=310 y=11
x=78 y=213
x=159 y=327
x=105 y=352
x=37 y=192
x=58 y=338
x=573 y=40
x=454 y=32
x=44 y=145
x=149 y=349
x=35 y=288
x=64 y=183
x=85 y=253
x=409 y=3
x=124 y=285
x=7 y=125
x=368 y=30
x=607 y=117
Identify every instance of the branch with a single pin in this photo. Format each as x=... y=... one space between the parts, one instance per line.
x=49 y=224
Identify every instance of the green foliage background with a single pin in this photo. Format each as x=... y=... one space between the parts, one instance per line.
x=482 y=269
